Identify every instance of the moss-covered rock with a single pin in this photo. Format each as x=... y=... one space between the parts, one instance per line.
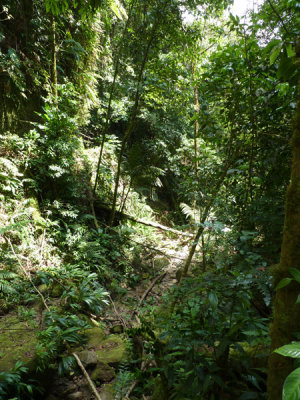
x=94 y=337
x=103 y=373
x=112 y=350
x=107 y=392
x=43 y=288
x=57 y=291
x=117 y=329
x=18 y=342
x=88 y=357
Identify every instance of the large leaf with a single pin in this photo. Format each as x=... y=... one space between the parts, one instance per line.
x=290 y=350
x=275 y=53
x=291 y=386
x=290 y=50
x=296 y=274
x=284 y=282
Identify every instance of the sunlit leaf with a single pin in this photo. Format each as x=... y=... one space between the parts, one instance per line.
x=290 y=350
x=291 y=386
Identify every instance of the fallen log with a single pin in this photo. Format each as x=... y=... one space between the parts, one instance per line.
x=121 y=215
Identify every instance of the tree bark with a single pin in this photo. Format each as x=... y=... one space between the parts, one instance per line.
x=286 y=322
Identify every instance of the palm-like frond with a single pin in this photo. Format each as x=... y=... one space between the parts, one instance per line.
x=191 y=213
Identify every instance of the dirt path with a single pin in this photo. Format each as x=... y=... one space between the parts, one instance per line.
x=169 y=258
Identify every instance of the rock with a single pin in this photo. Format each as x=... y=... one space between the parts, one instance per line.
x=112 y=350
x=75 y=396
x=57 y=291
x=116 y=329
x=94 y=336
x=103 y=373
x=107 y=392
x=88 y=357
x=18 y=344
x=43 y=288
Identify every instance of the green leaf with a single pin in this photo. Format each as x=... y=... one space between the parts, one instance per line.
x=295 y=273
x=213 y=299
x=289 y=350
x=284 y=282
x=275 y=54
x=290 y=51
x=291 y=386
x=118 y=10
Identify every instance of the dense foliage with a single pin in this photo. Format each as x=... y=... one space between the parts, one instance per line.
x=171 y=111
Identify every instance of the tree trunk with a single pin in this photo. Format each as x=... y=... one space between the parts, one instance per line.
x=286 y=312
x=196 y=122
x=249 y=188
x=202 y=226
x=131 y=123
x=111 y=93
x=53 y=50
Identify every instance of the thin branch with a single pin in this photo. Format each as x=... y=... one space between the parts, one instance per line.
x=134 y=383
x=279 y=17
x=202 y=226
x=90 y=382
x=147 y=291
x=27 y=274
x=120 y=318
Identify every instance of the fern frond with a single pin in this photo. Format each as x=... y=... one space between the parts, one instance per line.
x=6 y=287
x=191 y=213
x=7 y=275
